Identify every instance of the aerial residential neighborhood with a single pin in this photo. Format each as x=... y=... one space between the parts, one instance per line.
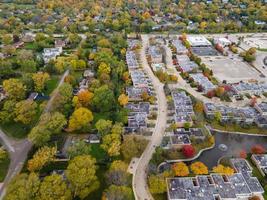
x=133 y=100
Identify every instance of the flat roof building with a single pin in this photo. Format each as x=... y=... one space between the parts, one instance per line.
x=198 y=41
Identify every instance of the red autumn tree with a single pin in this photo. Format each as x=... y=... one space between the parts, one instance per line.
x=243 y=154
x=257 y=149
x=210 y=93
x=188 y=151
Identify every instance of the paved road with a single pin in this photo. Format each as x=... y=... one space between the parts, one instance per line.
x=18 y=149
x=140 y=187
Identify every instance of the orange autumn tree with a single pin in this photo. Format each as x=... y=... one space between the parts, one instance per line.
x=180 y=169
x=198 y=168
x=84 y=98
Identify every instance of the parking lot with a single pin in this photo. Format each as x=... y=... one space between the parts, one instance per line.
x=231 y=70
x=257 y=41
x=204 y=51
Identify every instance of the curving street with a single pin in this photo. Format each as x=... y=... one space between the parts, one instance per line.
x=140 y=186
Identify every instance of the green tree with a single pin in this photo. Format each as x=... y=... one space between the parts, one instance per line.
x=78 y=148
x=25 y=111
x=81 y=175
x=7 y=114
x=53 y=187
x=3 y=154
x=103 y=99
x=103 y=126
x=118 y=193
x=117 y=173
x=157 y=184
x=132 y=146
x=39 y=135
x=54 y=122
x=23 y=187
x=111 y=144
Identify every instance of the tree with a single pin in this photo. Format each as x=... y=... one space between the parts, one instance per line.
x=243 y=154
x=258 y=149
x=23 y=187
x=78 y=148
x=42 y=157
x=117 y=174
x=104 y=43
x=54 y=122
x=3 y=154
x=25 y=111
x=103 y=68
x=157 y=184
x=198 y=168
x=219 y=91
x=14 y=88
x=39 y=80
x=39 y=135
x=85 y=98
x=118 y=193
x=7 y=39
x=53 y=187
x=188 y=151
x=80 y=119
x=218 y=116
x=111 y=144
x=254 y=198
x=81 y=175
x=123 y=99
x=199 y=107
x=103 y=126
x=7 y=114
x=103 y=99
x=180 y=169
x=220 y=169
x=132 y=146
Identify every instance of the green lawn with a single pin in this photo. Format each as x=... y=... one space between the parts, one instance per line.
x=30 y=46
x=100 y=173
x=4 y=168
x=16 y=130
x=98 y=152
x=51 y=85
x=237 y=128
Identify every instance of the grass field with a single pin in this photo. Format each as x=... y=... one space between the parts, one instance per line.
x=237 y=128
x=4 y=168
x=51 y=85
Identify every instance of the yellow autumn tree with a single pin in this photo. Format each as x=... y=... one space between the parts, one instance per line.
x=80 y=119
x=220 y=169
x=123 y=99
x=198 y=168
x=39 y=79
x=180 y=169
x=43 y=156
x=104 y=68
